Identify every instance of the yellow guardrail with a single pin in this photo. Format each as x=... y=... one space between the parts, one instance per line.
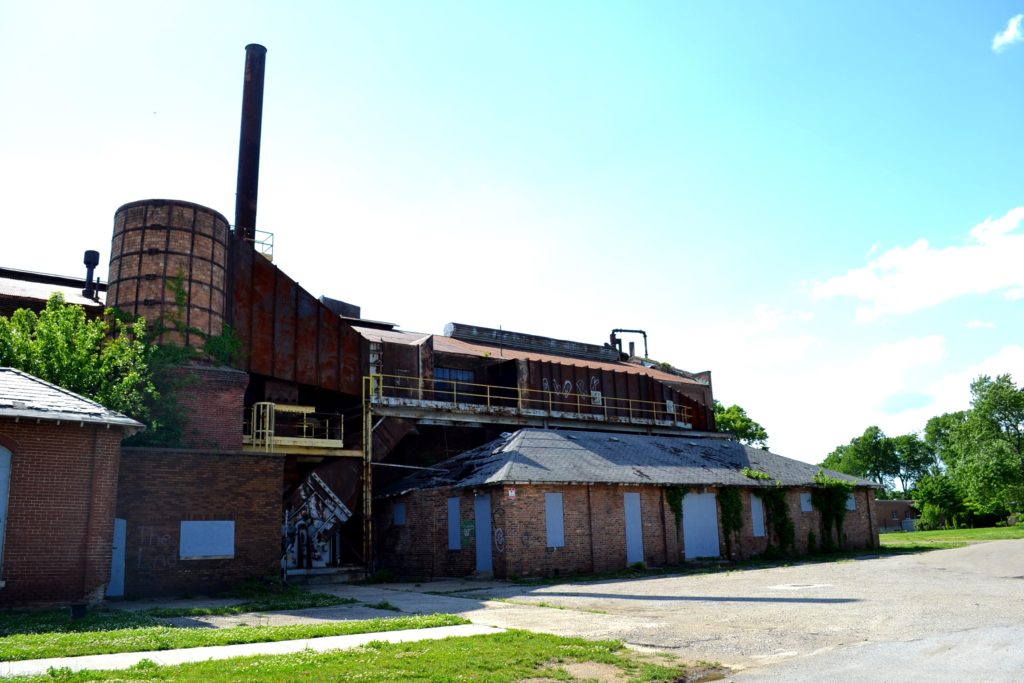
x=472 y=396
x=279 y=423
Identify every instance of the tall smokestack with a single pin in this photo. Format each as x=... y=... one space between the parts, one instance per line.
x=249 y=143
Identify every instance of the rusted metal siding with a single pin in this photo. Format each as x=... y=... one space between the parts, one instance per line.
x=568 y=387
x=286 y=333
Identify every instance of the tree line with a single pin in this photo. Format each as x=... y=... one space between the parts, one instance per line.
x=965 y=467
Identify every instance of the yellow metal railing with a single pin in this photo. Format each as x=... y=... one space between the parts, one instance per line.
x=273 y=424
x=474 y=397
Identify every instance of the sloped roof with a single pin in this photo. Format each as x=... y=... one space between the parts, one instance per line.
x=539 y=456
x=450 y=345
x=14 y=288
x=26 y=397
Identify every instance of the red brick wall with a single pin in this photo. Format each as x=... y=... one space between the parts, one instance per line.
x=595 y=530
x=160 y=488
x=213 y=401
x=60 y=520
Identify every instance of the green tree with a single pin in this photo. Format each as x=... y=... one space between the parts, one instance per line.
x=107 y=362
x=984 y=451
x=734 y=419
x=939 y=500
x=871 y=455
x=914 y=459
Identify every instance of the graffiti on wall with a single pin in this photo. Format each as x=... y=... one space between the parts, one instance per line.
x=566 y=389
x=313 y=513
x=157 y=549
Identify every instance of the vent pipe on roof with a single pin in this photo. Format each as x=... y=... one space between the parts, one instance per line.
x=92 y=259
x=249 y=141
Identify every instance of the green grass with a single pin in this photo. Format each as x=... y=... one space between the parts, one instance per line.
x=258 y=600
x=948 y=538
x=501 y=658
x=139 y=638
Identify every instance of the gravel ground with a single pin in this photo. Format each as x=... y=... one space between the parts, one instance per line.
x=801 y=622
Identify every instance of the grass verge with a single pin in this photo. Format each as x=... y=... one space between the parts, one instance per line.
x=948 y=538
x=258 y=600
x=159 y=637
x=501 y=658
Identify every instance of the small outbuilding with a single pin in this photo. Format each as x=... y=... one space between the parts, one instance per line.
x=59 y=455
x=551 y=502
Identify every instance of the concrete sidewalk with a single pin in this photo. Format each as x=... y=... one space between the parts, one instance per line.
x=126 y=660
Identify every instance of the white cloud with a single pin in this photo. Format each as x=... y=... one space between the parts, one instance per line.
x=1015 y=294
x=1011 y=35
x=907 y=279
x=980 y=324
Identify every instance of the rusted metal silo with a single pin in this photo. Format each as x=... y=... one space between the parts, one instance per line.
x=168 y=263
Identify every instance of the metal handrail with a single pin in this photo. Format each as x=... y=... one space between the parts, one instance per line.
x=264 y=427
x=456 y=393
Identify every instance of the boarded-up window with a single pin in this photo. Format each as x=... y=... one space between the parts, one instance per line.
x=207 y=540
x=805 y=502
x=851 y=502
x=555 y=521
x=454 y=522
x=5 y=487
x=757 y=515
x=399 y=514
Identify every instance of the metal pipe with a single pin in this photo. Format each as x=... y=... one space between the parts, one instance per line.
x=249 y=141
x=91 y=260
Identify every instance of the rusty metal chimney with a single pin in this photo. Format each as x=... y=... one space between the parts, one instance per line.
x=249 y=142
x=91 y=260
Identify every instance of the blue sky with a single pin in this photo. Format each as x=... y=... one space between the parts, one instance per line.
x=793 y=195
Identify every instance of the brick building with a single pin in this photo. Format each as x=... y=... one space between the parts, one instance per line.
x=545 y=502
x=59 y=459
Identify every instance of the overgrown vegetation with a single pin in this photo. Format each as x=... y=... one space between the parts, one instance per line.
x=289 y=597
x=731 y=503
x=829 y=497
x=500 y=658
x=105 y=359
x=783 y=531
x=735 y=419
x=755 y=474
x=674 y=497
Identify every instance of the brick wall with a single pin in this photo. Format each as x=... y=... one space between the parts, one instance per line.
x=594 y=524
x=213 y=401
x=60 y=511
x=160 y=488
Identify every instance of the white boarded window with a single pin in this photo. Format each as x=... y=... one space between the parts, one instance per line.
x=399 y=514
x=207 y=540
x=5 y=488
x=554 y=519
x=851 y=502
x=454 y=522
x=757 y=515
x=805 y=502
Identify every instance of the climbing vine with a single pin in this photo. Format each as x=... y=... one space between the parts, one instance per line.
x=755 y=474
x=783 y=529
x=731 y=503
x=829 y=497
x=674 y=498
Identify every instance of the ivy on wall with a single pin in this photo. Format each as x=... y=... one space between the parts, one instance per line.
x=731 y=504
x=829 y=497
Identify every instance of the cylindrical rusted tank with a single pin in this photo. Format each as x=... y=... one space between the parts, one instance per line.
x=163 y=248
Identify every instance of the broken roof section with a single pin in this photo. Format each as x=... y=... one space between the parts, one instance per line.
x=540 y=456
x=23 y=396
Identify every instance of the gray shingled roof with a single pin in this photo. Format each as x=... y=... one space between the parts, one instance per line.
x=26 y=397
x=539 y=456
